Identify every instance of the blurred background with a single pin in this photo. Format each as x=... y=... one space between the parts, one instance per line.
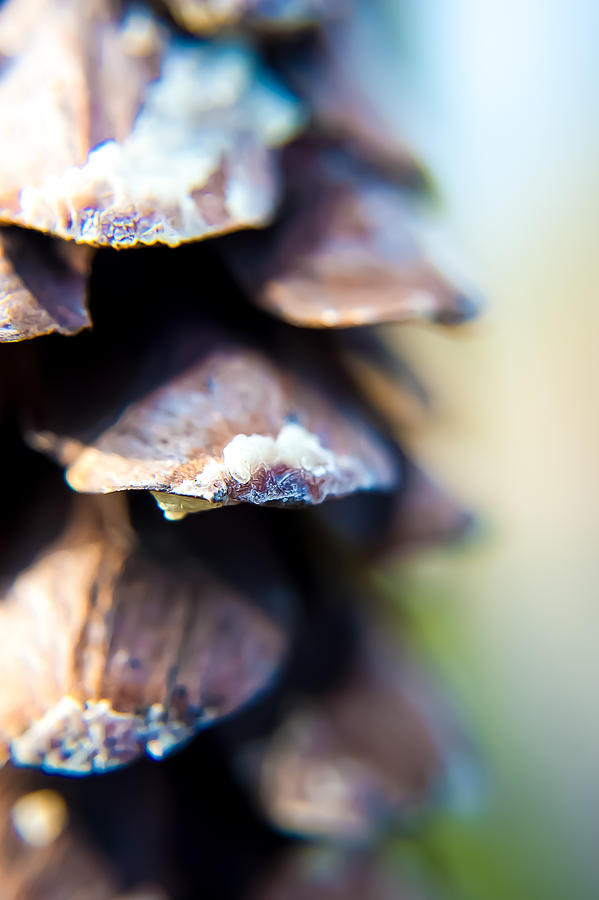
x=501 y=99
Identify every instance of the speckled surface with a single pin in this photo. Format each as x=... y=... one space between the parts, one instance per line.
x=156 y=141
x=233 y=428
x=105 y=653
x=42 y=286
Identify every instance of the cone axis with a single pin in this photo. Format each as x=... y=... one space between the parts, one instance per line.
x=204 y=223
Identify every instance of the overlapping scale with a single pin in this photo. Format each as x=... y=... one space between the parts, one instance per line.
x=345 y=766
x=235 y=426
x=43 y=286
x=107 y=652
x=232 y=373
x=346 y=250
x=115 y=134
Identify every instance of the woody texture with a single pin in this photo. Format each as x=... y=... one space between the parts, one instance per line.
x=204 y=228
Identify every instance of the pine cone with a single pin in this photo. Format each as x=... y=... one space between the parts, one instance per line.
x=228 y=372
